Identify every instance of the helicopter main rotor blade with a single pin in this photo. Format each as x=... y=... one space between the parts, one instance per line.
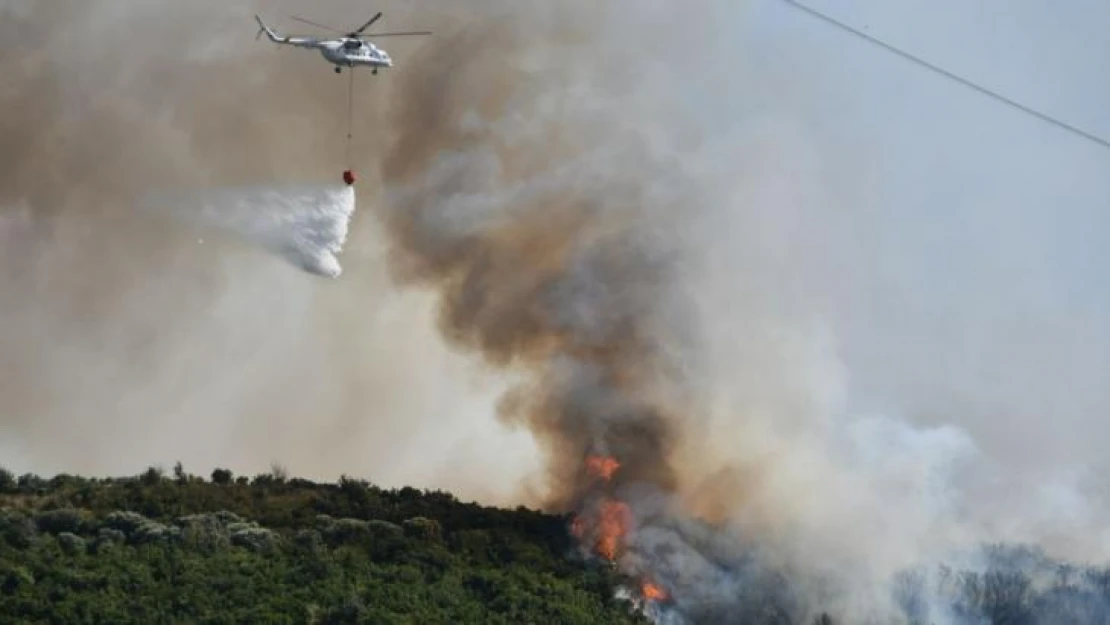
x=415 y=32
x=311 y=23
x=368 y=24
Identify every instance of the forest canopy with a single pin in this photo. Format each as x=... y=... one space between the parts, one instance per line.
x=178 y=548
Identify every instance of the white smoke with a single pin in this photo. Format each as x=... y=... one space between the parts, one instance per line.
x=306 y=225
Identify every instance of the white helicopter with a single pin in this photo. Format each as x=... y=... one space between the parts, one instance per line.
x=351 y=50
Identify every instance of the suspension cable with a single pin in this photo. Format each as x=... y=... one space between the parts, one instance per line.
x=1083 y=134
x=350 y=114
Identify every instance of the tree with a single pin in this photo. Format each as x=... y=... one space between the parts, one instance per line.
x=910 y=594
x=7 y=481
x=279 y=473
x=156 y=550
x=152 y=476
x=222 y=477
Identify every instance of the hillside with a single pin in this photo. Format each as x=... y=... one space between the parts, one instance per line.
x=180 y=548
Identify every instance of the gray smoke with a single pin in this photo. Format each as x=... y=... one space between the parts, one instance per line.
x=672 y=295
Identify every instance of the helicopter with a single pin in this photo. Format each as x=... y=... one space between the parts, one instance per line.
x=349 y=50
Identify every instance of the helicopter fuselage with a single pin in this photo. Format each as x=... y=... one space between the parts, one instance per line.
x=351 y=50
x=354 y=52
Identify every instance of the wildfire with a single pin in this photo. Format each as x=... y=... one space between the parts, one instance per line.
x=578 y=527
x=602 y=466
x=604 y=523
x=653 y=592
x=612 y=526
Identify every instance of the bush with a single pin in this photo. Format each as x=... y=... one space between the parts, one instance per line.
x=384 y=529
x=16 y=529
x=109 y=536
x=424 y=529
x=153 y=532
x=346 y=531
x=13 y=578
x=205 y=532
x=214 y=521
x=253 y=537
x=62 y=520
x=125 y=521
x=309 y=541
x=152 y=476
x=30 y=483
x=72 y=544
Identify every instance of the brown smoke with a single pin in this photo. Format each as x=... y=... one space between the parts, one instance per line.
x=541 y=255
x=553 y=244
x=547 y=258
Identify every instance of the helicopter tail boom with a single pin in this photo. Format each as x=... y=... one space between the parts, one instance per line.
x=304 y=42
x=263 y=28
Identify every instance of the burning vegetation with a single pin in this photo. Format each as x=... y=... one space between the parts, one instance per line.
x=548 y=274
x=551 y=263
x=555 y=245
x=602 y=527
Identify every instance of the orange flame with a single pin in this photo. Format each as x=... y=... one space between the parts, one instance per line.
x=578 y=527
x=653 y=592
x=612 y=527
x=602 y=466
x=608 y=524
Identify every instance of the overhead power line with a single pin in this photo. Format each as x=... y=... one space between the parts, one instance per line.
x=947 y=74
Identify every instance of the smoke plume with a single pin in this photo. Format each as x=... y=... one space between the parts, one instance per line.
x=633 y=222
x=564 y=226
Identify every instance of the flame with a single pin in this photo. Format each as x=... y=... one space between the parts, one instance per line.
x=602 y=466
x=606 y=524
x=606 y=521
x=578 y=527
x=653 y=592
x=612 y=526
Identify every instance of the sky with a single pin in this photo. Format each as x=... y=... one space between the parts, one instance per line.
x=988 y=229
